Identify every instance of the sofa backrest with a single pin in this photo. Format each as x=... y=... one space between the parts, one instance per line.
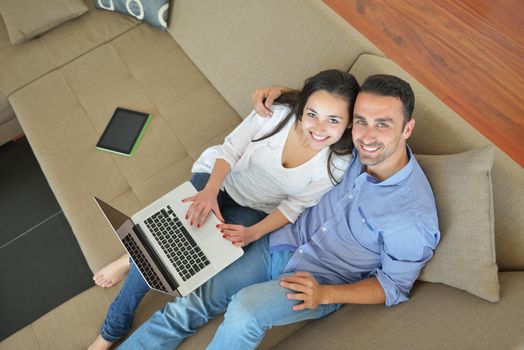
x=242 y=45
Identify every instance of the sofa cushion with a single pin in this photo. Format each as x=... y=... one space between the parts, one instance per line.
x=439 y=130
x=81 y=96
x=26 y=19
x=10 y=130
x=6 y=112
x=465 y=257
x=22 y=63
x=154 y=12
x=436 y=317
x=9 y=126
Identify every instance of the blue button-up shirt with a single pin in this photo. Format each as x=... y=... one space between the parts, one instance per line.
x=364 y=227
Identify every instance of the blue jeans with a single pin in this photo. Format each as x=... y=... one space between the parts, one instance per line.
x=248 y=290
x=122 y=310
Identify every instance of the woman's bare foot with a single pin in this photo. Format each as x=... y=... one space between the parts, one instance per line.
x=100 y=344
x=113 y=273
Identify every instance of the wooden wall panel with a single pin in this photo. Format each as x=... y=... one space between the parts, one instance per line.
x=470 y=53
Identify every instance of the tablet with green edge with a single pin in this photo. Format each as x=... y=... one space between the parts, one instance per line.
x=124 y=132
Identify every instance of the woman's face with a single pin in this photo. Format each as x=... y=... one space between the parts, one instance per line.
x=324 y=119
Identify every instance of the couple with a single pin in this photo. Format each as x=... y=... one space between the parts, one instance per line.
x=364 y=242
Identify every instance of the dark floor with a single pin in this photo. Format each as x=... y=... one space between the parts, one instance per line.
x=41 y=265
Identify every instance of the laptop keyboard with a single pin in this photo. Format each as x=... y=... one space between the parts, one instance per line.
x=143 y=265
x=183 y=252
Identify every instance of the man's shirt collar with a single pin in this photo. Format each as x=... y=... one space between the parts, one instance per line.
x=394 y=179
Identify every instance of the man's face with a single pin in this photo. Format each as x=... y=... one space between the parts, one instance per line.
x=378 y=134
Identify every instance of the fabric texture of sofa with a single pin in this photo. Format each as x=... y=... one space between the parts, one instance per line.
x=196 y=79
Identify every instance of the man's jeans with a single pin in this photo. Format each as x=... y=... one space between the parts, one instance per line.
x=120 y=314
x=249 y=289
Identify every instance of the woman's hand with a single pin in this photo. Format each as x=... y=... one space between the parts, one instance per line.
x=203 y=202
x=239 y=235
x=263 y=99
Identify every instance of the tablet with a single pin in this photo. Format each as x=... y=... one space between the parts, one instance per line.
x=124 y=132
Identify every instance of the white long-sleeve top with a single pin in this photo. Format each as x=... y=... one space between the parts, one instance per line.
x=258 y=179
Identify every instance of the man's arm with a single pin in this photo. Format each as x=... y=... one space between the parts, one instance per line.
x=263 y=98
x=312 y=294
x=367 y=291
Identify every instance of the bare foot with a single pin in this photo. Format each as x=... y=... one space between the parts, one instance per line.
x=113 y=273
x=100 y=344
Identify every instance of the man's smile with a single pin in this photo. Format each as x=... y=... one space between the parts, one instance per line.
x=369 y=148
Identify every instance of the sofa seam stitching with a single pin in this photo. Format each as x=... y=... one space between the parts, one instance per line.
x=160 y=114
x=67 y=62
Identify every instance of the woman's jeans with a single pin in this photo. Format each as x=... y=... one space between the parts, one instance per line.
x=248 y=289
x=121 y=312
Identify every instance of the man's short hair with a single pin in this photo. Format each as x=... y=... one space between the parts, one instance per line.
x=390 y=85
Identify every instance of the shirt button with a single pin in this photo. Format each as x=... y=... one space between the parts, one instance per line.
x=323 y=229
x=350 y=196
x=300 y=251
x=363 y=220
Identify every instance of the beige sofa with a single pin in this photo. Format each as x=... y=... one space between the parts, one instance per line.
x=196 y=80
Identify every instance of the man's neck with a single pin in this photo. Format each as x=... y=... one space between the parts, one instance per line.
x=389 y=167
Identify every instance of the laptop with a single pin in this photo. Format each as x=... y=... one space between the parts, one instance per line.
x=173 y=257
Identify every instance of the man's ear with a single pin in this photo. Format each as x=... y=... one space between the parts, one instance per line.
x=350 y=124
x=408 y=128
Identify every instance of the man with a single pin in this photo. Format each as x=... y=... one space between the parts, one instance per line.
x=365 y=242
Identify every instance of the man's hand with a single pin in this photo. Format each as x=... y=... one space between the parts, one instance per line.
x=239 y=235
x=203 y=202
x=310 y=291
x=263 y=99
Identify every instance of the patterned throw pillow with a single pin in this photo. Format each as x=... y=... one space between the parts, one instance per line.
x=154 y=12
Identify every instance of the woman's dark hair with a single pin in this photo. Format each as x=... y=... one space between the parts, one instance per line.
x=335 y=82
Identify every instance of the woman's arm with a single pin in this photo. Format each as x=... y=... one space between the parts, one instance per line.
x=226 y=157
x=206 y=200
x=241 y=236
x=270 y=223
x=218 y=175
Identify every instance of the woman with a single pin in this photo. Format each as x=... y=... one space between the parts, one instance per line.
x=264 y=175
